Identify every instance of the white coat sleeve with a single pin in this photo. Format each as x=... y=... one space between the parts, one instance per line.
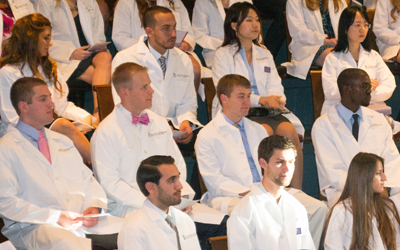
x=297 y=26
x=200 y=26
x=185 y=24
x=187 y=109
x=122 y=35
x=241 y=229
x=382 y=23
x=386 y=80
x=105 y=159
x=338 y=229
x=327 y=156
x=97 y=24
x=221 y=65
x=8 y=113
x=210 y=170
x=61 y=51
x=64 y=108
x=132 y=235
x=329 y=78
x=11 y=206
x=274 y=82
x=94 y=193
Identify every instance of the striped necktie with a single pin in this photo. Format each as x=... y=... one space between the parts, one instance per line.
x=163 y=65
x=172 y=225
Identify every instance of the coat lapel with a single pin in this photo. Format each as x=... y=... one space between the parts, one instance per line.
x=71 y=23
x=85 y=21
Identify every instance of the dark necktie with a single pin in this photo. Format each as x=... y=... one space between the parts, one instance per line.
x=172 y=225
x=163 y=65
x=356 y=127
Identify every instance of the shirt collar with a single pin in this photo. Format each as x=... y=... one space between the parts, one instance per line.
x=346 y=114
x=161 y=212
x=241 y=122
x=29 y=131
x=156 y=54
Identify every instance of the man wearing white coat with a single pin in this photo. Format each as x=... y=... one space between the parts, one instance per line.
x=268 y=215
x=227 y=154
x=130 y=134
x=158 y=225
x=170 y=71
x=349 y=128
x=45 y=188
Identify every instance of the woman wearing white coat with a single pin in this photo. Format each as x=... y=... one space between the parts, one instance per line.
x=353 y=51
x=241 y=54
x=208 y=25
x=363 y=218
x=387 y=29
x=78 y=25
x=26 y=55
x=313 y=26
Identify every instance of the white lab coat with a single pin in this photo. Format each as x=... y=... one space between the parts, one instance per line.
x=371 y=62
x=222 y=159
x=306 y=30
x=174 y=97
x=208 y=26
x=118 y=147
x=335 y=147
x=340 y=230
x=147 y=229
x=64 y=35
x=127 y=27
x=227 y=61
x=258 y=221
x=19 y=8
x=34 y=191
x=10 y=73
x=386 y=30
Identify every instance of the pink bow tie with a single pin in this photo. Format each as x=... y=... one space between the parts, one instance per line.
x=143 y=119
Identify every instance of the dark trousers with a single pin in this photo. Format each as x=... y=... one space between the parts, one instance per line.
x=206 y=231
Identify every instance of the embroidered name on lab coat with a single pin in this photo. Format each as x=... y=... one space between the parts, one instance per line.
x=369 y=67
x=21 y=6
x=376 y=124
x=157 y=134
x=180 y=75
x=189 y=236
x=65 y=149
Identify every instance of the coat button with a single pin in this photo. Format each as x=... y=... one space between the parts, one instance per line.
x=281 y=237
x=145 y=151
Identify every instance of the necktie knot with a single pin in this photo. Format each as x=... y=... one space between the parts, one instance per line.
x=236 y=125
x=143 y=119
x=44 y=146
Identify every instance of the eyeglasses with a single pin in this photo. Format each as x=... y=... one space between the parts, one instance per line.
x=361 y=25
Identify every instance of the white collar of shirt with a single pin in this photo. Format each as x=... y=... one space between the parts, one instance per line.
x=127 y=114
x=158 y=55
x=161 y=212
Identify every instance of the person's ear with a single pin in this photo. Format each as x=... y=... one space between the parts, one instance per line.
x=234 y=26
x=224 y=98
x=151 y=187
x=149 y=31
x=263 y=163
x=23 y=107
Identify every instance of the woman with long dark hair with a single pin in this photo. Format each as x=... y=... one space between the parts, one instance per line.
x=26 y=54
x=353 y=51
x=363 y=218
x=313 y=27
x=241 y=53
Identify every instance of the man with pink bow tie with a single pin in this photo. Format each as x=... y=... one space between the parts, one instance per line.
x=130 y=134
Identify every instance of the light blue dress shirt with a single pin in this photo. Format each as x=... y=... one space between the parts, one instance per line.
x=347 y=115
x=253 y=167
x=30 y=133
x=250 y=69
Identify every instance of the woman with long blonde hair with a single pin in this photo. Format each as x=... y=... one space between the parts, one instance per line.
x=363 y=218
x=26 y=54
x=313 y=27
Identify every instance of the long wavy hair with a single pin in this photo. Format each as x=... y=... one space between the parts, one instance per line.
x=237 y=13
x=346 y=20
x=359 y=198
x=314 y=4
x=22 y=48
x=143 y=5
x=396 y=9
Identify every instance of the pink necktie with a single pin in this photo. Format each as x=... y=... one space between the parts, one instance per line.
x=43 y=146
x=143 y=119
